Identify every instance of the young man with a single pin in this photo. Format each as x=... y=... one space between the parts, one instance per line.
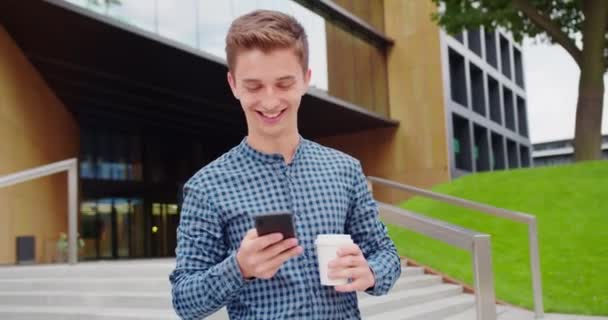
x=220 y=258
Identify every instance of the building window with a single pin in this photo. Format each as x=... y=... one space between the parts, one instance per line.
x=110 y=156
x=458 y=83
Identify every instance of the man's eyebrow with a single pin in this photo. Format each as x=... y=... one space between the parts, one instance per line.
x=286 y=78
x=251 y=80
x=256 y=81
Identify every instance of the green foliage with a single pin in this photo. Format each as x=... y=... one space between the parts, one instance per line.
x=62 y=242
x=457 y=15
x=570 y=204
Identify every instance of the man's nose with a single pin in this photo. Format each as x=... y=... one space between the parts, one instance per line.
x=270 y=100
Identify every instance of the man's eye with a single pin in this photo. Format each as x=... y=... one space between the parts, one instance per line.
x=253 y=89
x=285 y=85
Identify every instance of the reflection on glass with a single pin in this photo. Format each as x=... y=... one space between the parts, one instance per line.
x=123 y=218
x=107 y=156
x=80 y=3
x=137 y=228
x=98 y=218
x=88 y=231
x=214 y=21
x=139 y=13
x=177 y=20
x=165 y=220
x=203 y=24
x=104 y=214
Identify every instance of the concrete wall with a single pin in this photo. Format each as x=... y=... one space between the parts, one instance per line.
x=35 y=129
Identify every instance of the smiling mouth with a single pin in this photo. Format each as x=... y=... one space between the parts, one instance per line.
x=271 y=116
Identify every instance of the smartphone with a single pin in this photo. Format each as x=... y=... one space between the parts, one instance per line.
x=281 y=222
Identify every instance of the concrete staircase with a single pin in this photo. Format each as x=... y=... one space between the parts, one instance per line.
x=140 y=290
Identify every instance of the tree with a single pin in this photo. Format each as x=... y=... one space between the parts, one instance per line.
x=104 y=3
x=579 y=26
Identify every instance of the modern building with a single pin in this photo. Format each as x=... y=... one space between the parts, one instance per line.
x=485 y=102
x=560 y=152
x=136 y=91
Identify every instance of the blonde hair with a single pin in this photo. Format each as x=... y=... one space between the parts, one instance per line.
x=266 y=30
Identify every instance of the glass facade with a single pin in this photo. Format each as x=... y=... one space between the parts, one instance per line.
x=131 y=184
x=110 y=156
x=203 y=24
x=110 y=228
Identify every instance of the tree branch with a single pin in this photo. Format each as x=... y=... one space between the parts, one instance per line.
x=550 y=27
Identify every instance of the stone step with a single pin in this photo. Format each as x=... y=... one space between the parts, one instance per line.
x=434 y=310
x=395 y=300
x=161 y=268
x=409 y=282
x=123 y=290
x=152 y=268
x=134 y=284
x=411 y=271
x=146 y=300
x=79 y=313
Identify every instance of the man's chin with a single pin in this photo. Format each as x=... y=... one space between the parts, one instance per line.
x=273 y=133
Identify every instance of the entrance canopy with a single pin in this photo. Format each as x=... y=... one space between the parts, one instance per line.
x=105 y=69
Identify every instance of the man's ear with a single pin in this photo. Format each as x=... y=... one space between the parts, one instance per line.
x=307 y=76
x=232 y=84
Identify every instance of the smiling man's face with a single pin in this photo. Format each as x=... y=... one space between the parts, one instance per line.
x=270 y=87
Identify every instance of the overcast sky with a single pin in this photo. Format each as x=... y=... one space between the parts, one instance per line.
x=552 y=87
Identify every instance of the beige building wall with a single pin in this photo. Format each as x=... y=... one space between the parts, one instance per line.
x=35 y=129
x=417 y=152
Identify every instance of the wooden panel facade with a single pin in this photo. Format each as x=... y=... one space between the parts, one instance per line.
x=416 y=152
x=35 y=129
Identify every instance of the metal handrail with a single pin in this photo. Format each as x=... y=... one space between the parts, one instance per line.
x=69 y=165
x=476 y=243
x=499 y=212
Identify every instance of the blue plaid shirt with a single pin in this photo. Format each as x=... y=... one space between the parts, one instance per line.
x=325 y=190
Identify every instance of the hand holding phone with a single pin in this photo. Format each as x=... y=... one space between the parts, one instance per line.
x=281 y=222
x=265 y=248
x=262 y=256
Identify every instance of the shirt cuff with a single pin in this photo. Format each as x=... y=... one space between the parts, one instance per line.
x=233 y=279
x=380 y=286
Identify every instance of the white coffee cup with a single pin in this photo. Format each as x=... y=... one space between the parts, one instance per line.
x=327 y=246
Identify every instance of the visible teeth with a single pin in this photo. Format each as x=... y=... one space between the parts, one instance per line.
x=271 y=115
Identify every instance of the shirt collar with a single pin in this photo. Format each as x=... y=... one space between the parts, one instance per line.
x=254 y=154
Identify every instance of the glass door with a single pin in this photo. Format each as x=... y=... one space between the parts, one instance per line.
x=112 y=228
x=165 y=219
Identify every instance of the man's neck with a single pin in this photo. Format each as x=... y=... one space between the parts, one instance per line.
x=285 y=145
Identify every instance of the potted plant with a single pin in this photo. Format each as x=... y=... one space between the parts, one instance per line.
x=62 y=247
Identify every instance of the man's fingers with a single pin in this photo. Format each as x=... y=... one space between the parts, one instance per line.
x=275 y=249
x=347 y=261
x=349 y=249
x=260 y=243
x=251 y=234
x=352 y=273
x=276 y=262
x=350 y=287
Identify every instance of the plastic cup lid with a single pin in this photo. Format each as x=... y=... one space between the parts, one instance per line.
x=333 y=239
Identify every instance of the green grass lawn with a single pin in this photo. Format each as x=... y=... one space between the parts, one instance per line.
x=571 y=206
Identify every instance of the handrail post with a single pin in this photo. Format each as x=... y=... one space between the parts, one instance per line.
x=528 y=219
x=535 y=266
x=485 y=301
x=71 y=167
x=73 y=214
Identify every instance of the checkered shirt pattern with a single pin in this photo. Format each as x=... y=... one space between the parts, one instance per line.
x=327 y=193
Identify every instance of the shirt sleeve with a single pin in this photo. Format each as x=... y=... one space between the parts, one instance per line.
x=370 y=234
x=206 y=276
